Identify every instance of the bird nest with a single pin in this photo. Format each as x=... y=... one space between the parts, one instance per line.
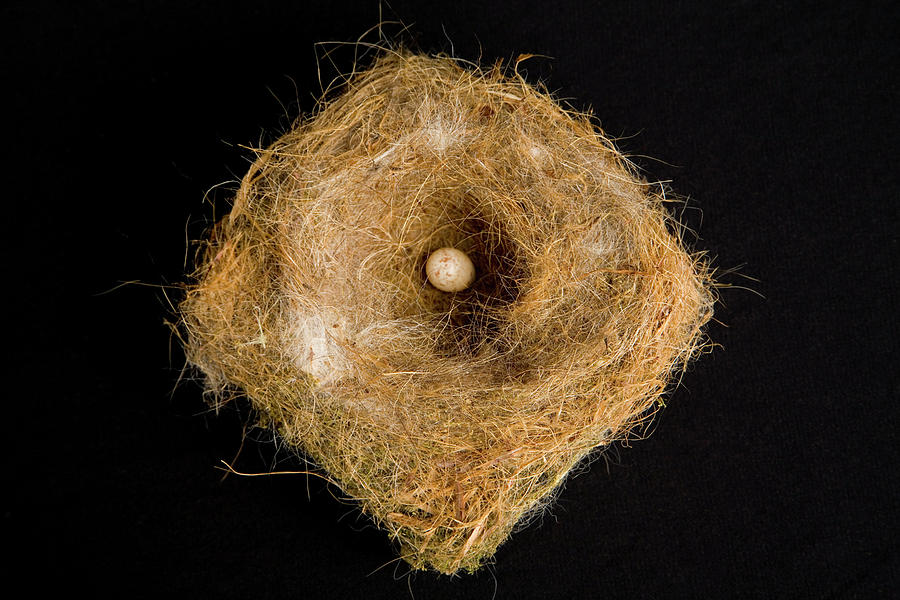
x=448 y=417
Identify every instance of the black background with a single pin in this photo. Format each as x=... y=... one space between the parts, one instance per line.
x=772 y=473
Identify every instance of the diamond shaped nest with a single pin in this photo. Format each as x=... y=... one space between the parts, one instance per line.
x=448 y=417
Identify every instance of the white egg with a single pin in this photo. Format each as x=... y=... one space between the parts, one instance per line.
x=450 y=270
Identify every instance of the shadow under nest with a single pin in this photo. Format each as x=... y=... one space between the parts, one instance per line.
x=449 y=417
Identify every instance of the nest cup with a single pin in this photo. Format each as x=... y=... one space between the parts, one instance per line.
x=448 y=417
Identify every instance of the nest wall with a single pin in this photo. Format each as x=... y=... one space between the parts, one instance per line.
x=449 y=417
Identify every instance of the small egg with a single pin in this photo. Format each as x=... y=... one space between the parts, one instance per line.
x=450 y=270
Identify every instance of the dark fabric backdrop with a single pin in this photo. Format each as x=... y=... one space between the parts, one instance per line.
x=771 y=474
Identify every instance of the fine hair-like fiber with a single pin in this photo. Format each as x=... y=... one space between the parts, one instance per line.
x=448 y=417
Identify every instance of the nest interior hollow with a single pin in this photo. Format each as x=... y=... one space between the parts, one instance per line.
x=449 y=417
